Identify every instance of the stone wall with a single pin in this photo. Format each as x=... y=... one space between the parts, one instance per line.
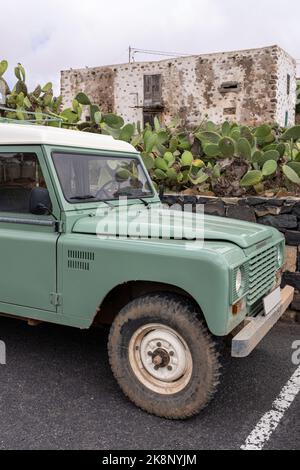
x=97 y=83
x=247 y=86
x=283 y=214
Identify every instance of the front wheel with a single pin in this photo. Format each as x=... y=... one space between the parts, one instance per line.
x=163 y=356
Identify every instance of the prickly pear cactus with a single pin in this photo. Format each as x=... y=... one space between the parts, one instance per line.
x=216 y=159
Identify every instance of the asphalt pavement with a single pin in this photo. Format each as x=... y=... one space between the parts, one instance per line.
x=57 y=392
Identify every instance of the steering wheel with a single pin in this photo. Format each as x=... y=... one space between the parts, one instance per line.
x=108 y=190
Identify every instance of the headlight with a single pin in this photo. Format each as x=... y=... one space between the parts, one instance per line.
x=238 y=281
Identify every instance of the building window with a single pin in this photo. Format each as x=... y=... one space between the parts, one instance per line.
x=152 y=90
x=286 y=120
x=288 y=82
x=229 y=87
x=229 y=111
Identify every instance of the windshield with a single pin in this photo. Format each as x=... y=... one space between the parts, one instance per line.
x=86 y=178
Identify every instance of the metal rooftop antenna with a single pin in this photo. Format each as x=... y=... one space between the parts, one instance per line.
x=134 y=50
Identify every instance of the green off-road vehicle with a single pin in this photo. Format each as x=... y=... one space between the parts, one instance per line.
x=84 y=239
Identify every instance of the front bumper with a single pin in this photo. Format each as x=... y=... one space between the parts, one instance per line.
x=257 y=327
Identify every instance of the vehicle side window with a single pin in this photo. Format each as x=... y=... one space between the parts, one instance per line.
x=19 y=174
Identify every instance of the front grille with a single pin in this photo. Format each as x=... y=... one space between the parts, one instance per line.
x=256 y=308
x=260 y=274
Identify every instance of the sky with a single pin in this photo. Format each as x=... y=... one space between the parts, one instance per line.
x=53 y=35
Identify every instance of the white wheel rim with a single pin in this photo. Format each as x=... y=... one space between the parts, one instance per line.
x=160 y=359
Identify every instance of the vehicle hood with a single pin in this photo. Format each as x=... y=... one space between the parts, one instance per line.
x=163 y=223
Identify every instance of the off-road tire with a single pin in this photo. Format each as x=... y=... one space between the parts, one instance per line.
x=171 y=311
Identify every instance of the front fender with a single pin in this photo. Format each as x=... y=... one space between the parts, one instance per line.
x=90 y=267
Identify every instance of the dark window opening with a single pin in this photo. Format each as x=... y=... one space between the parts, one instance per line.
x=152 y=90
x=288 y=83
x=149 y=117
x=229 y=111
x=286 y=121
x=228 y=87
x=19 y=174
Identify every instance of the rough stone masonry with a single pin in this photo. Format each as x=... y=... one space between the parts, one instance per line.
x=251 y=86
x=281 y=213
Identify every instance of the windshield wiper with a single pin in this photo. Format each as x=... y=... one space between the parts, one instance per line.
x=146 y=203
x=83 y=198
x=112 y=206
x=131 y=194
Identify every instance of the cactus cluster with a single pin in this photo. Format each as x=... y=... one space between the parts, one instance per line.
x=227 y=159
x=97 y=122
x=24 y=104
x=183 y=159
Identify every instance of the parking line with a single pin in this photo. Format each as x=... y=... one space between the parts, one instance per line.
x=270 y=420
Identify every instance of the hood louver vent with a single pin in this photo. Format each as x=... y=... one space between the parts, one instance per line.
x=80 y=260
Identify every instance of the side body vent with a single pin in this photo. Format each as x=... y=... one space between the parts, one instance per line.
x=80 y=260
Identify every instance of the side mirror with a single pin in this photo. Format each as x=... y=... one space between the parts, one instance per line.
x=40 y=202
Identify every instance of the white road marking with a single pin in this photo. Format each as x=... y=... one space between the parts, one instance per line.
x=270 y=420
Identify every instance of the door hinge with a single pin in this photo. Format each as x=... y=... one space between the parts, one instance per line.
x=56 y=299
x=59 y=226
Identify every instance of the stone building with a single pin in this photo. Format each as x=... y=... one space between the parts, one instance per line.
x=251 y=86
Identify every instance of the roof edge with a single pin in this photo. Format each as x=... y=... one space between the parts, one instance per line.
x=208 y=54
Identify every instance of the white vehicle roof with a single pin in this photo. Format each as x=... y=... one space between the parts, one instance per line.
x=19 y=134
